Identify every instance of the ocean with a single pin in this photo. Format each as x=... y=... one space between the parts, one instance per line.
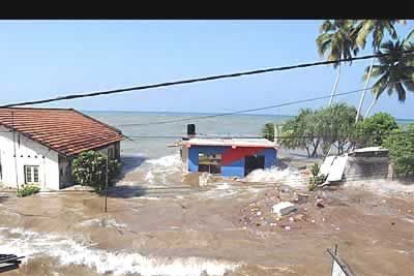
x=152 y=141
x=147 y=153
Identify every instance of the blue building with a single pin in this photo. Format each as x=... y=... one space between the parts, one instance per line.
x=227 y=157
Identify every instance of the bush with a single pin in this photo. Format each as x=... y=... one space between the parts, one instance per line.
x=315 y=169
x=374 y=130
x=27 y=190
x=401 y=150
x=268 y=132
x=89 y=169
x=312 y=187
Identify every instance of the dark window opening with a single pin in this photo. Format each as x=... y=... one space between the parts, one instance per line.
x=210 y=163
x=253 y=162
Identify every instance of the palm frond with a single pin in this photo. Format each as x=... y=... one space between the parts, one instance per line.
x=400 y=92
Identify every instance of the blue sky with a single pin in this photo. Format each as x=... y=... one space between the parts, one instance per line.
x=44 y=59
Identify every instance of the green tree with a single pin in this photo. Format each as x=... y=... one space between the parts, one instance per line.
x=330 y=126
x=336 y=127
x=335 y=42
x=401 y=146
x=374 y=130
x=89 y=169
x=395 y=72
x=300 y=132
x=268 y=132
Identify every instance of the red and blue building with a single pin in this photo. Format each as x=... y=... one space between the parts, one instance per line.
x=228 y=157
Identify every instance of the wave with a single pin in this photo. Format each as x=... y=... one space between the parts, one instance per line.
x=70 y=252
x=288 y=176
x=164 y=170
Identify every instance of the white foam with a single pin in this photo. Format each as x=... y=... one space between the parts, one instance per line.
x=70 y=252
x=166 y=161
x=164 y=169
x=103 y=222
x=383 y=187
x=288 y=176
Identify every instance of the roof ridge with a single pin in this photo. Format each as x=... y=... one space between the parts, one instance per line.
x=38 y=108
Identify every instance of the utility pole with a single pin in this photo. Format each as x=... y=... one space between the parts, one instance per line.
x=106 y=184
x=14 y=152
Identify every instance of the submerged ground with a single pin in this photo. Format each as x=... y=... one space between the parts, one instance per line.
x=215 y=230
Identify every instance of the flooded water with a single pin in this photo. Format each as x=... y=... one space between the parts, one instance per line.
x=206 y=233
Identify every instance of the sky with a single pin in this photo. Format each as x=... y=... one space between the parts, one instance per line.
x=43 y=59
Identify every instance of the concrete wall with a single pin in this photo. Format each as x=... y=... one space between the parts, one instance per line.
x=233 y=169
x=366 y=168
x=28 y=152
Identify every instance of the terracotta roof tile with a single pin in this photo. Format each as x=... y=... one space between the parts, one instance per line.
x=65 y=131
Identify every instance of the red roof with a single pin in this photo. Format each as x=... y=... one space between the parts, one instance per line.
x=65 y=131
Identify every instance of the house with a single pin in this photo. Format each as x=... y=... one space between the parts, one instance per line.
x=37 y=145
x=226 y=156
x=363 y=163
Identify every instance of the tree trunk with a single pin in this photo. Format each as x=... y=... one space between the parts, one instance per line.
x=335 y=85
x=361 y=101
x=315 y=148
x=371 y=106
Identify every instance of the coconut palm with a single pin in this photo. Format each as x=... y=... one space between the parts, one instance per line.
x=361 y=32
x=335 y=42
x=395 y=71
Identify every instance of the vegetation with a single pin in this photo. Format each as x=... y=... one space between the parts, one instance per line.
x=322 y=128
x=316 y=178
x=28 y=190
x=268 y=132
x=335 y=42
x=374 y=130
x=89 y=169
x=339 y=39
x=401 y=146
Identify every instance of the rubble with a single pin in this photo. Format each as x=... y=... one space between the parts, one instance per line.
x=284 y=208
x=319 y=203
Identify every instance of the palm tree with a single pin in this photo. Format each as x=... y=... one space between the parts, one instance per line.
x=360 y=34
x=335 y=42
x=395 y=71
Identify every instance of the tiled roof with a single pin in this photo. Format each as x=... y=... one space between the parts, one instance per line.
x=65 y=131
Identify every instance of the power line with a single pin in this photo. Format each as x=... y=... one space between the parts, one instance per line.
x=241 y=111
x=202 y=79
x=254 y=109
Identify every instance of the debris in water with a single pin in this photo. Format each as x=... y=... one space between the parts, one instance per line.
x=287 y=228
x=284 y=208
x=319 y=203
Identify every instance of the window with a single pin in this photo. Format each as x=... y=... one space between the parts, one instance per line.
x=31 y=174
x=210 y=163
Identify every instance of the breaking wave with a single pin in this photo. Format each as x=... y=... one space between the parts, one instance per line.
x=288 y=176
x=70 y=252
x=164 y=170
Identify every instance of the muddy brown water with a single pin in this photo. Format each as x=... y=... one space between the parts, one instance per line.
x=188 y=232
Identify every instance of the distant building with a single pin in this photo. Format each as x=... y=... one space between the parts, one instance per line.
x=227 y=157
x=37 y=145
x=365 y=163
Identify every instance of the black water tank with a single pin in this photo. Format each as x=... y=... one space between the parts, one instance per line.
x=191 y=129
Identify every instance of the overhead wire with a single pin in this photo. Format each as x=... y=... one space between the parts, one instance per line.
x=195 y=80
x=196 y=118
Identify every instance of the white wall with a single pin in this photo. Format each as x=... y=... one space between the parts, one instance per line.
x=28 y=152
